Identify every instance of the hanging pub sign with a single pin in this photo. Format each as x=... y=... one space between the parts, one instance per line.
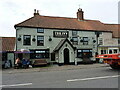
x=60 y=34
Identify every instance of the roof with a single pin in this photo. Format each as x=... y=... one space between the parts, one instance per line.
x=61 y=43
x=115 y=28
x=50 y=22
x=62 y=23
x=8 y=43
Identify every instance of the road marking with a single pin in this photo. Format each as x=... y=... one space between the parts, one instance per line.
x=16 y=85
x=85 y=79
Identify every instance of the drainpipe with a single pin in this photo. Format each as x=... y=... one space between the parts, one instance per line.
x=97 y=35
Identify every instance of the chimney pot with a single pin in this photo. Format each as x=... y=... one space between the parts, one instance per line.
x=36 y=12
x=80 y=14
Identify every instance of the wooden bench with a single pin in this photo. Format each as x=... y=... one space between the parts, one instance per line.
x=39 y=62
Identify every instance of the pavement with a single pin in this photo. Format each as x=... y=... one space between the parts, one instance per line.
x=54 y=68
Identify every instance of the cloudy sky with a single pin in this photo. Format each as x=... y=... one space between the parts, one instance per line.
x=16 y=11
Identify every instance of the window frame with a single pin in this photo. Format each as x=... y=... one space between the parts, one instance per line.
x=75 y=42
x=74 y=33
x=40 y=31
x=82 y=52
x=40 y=54
x=40 y=40
x=85 y=42
x=115 y=51
x=103 y=51
x=110 y=51
x=24 y=40
x=100 y=41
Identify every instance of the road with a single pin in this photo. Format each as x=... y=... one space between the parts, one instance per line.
x=102 y=77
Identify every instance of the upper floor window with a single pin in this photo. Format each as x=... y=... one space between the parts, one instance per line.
x=40 y=40
x=74 y=33
x=100 y=41
x=85 y=40
x=26 y=40
x=40 y=30
x=75 y=41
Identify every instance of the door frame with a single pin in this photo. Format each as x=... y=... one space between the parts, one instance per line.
x=66 y=56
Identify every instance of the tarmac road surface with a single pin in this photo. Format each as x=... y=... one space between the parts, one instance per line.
x=102 y=77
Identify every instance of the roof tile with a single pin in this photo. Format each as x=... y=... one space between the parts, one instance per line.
x=8 y=43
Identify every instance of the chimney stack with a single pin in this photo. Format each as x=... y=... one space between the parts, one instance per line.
x=80 y=14
x=36 y=12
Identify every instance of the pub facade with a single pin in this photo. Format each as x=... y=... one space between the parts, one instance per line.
x=58 y=39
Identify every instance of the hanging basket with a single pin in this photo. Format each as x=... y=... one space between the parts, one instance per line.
x=33 y=39
x=94 y=41
x=71 y=40
x=81 y=40
x=19 y=39
x=50 y=39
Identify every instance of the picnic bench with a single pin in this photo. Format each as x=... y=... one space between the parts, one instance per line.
x=39 y=62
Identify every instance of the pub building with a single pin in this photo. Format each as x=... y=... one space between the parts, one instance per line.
x=59 y=40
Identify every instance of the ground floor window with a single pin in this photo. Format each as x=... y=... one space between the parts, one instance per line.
x=111 y=51
x=84 y=53
x=103 y=52
x=115 y=50
x=39 y=54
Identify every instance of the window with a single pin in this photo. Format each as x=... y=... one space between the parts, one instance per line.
x=84 y=53
x=100 y=41
x=110 y=51
x=103 y=52
x=74 y=33
x=85 y=40
x=75 y=41
x=39 y=54
x=79 y=53
x=115 y=50
x=26 y=40
x=40 y=30
x=40 y=40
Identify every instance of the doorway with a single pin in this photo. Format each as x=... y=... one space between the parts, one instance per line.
x=66 y=56
x=52 y=56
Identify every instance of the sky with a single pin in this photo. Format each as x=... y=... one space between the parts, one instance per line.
x=16 y=11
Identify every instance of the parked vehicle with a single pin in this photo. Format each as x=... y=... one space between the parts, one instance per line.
x=112 y=59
